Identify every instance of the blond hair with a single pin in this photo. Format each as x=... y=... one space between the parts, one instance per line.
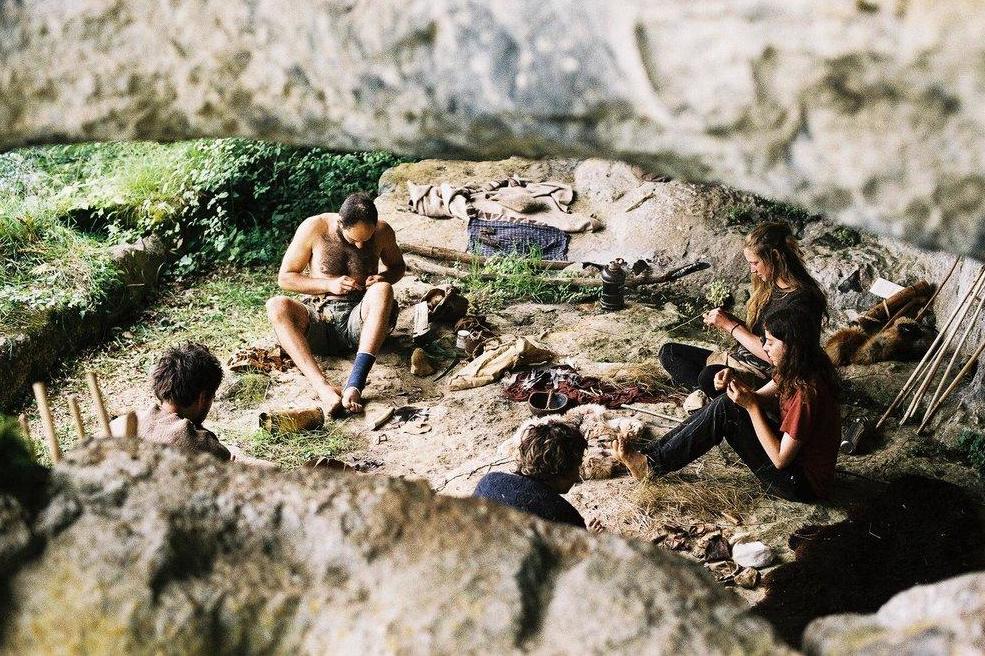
x=774 y=244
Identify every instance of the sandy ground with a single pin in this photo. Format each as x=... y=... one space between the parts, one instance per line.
x=458 y=443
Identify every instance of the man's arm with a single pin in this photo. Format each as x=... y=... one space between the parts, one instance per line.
x=391 y=258
x=291 y=276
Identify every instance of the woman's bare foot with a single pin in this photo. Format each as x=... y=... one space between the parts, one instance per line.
x=634 y=460
x=352 y=400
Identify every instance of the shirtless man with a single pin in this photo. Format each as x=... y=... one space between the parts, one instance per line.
x=347 y=301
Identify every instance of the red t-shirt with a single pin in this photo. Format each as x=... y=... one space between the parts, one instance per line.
x=814 y=420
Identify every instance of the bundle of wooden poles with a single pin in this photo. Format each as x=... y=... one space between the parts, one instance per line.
x=48 y=422
x=951 y=339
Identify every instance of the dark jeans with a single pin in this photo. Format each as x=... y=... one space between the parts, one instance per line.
x=723 y=419
x=686 y=366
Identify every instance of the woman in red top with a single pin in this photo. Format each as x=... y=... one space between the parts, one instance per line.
x=793 y=457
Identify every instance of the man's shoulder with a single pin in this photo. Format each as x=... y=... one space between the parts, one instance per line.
x=318 y=223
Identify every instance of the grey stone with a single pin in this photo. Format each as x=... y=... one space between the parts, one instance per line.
x=939 y=619
x=869 y=112
x=752 y=554
x=200 y=556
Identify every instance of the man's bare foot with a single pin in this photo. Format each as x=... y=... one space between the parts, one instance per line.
x=331 y=401
x=352 y=400
x=634 y=460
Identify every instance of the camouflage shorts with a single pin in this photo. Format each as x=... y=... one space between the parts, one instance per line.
x=335 y=324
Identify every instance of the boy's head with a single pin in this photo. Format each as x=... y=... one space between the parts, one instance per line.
x=551 y=453
x=187 y=377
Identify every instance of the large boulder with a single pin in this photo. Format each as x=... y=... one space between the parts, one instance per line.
x=141 y=549
x=867 y=110
x=930 y=620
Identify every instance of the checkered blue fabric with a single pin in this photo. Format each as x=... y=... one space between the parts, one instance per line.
x=502 y=237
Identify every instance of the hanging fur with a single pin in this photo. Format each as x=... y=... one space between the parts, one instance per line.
x=904 y=340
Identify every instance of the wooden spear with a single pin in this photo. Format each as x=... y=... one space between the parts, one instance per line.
x=97 y=401
x=957 y=379
x=937 y=291
x=914 y=376
x=73 y=406
x=47 y=422
x=966 y=304
x=954 y=358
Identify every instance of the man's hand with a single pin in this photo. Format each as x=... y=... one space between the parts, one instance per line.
x=343 y=285
x=742 y=395
x=721 y=319
x=374 y=279
x=722 y=379
x=595 y=525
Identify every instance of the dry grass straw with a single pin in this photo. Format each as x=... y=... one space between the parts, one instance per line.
x=715 y=491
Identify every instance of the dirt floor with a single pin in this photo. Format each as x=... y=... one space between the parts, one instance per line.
x=457 y=444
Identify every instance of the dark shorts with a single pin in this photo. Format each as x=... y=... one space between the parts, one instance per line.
x=335 y=324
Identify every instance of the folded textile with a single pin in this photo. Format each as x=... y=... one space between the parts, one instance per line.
x=546 y=203
x=493 y=363
x=439 y=201
x=579 y=389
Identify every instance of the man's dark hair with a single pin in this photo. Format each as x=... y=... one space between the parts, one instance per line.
x=358 y=208
x=551 y=450
x=184 y=372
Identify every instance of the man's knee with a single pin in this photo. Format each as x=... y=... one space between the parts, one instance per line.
x=380 y=292
x=281 y=310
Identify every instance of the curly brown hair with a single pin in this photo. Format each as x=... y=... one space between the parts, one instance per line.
x=550 y=450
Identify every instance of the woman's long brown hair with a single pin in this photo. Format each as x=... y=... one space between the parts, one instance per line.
x=775 y=245
x=805 y=365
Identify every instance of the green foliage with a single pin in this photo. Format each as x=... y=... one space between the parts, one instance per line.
x=717 y=292
x=746 y=215
x=972 y=445
x=840 y=237
x=516 y=278
x=219 y=201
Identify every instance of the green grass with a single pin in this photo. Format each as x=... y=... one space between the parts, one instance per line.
x=517 y=279
x=292 y=450
x=971 y=444
x=248 y=390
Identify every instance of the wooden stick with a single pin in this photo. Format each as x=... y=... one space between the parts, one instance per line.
x=41 y=396
x=449 y=255
x=937 y=291
x=73 y=406
x=932 y=368
x=957 y=379
x=966 y=304
x=646 y=411
x=954 y=358
x=424 y=266
x=97 y=401
x=914 y=376
x=130 y=425
x=25 y=427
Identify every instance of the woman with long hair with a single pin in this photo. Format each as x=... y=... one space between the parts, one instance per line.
x=780 y=282
x=793 y=456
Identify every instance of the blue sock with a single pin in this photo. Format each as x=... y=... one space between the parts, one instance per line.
x=360 y=371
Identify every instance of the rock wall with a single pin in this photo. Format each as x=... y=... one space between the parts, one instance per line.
x=942 y=618
x=139 y=549
x=866 y=110
x=29 y=356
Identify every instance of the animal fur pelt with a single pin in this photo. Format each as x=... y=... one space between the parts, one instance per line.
x=599 y=426
x=904 y=340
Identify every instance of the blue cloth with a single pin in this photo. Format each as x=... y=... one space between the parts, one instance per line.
x=501 y=237
x=360 y=370
x=529 y=495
